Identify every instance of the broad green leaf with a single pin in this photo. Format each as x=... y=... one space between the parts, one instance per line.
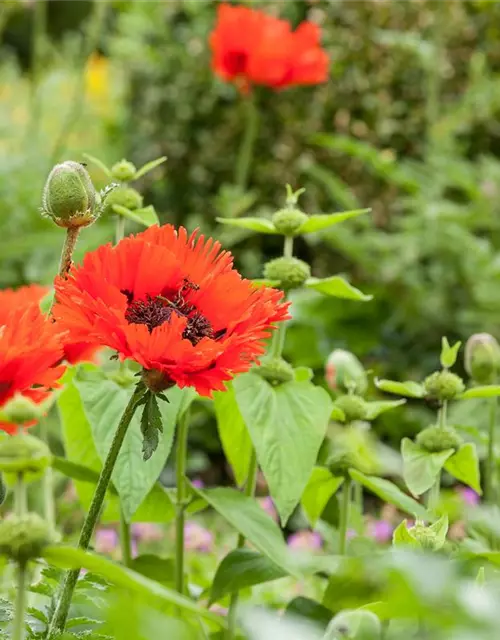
x=391 y=493
x=421 y=467
x=103 y=403
x=160 y=569
x=154 y=594
x=488 y=391
x=320 y=488
x=249 y=519
x=337 y=287
x=408 y=389
x=149 y=166
x=233 y=433
x=243 y=568
x=310 y=609
x=287 y=425
x=449 y=353
x=464 y=466
x=98 y=163
x=401 y=536
x=374 y=409
x=147 y=216
x=80 y=449
x=77 y=471
x=319 y=222
x=261 y=225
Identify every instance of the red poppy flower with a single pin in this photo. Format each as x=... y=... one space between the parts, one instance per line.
x=252 y=47
x=174 y=304
x=30 y=350
x=33 y=294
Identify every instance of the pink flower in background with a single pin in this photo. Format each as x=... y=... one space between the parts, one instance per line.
x=106 y=541
x=469 y=496
x=147 y=532
x=197 y=538
x=198 y=483
x=380 y=530
x=351 y=533
x=216 y=608
x=268 y=505
x=305 y=540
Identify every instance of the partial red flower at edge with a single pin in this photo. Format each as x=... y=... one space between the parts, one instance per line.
x=30 y=350
x=252 y=47
x=174 y=304
x=32 y=295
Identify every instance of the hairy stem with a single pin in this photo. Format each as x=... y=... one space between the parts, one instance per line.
x=345 y=508
x=245 y=153
x=250 y=492
x=67 y=250
x=64 y=600
x=180 y=470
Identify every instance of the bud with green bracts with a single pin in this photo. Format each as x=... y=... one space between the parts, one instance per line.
x=23 y=538
x=443 y=385
x=69 y=197
x=291 y=273
x=482 y=358
x=344 y=372
x=23 y=454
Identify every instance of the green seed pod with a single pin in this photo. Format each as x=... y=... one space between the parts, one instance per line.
x=23 y=538
x=69 y=197
x=124 y=197
x=357 y=625
x=288 y=221
x=354 y=407
x=290 y=272
x=435 y=439
x=23 y=454
x=123 y=171
x=443 y=385
x=275 y=370
x=344 y=372
x=482 y=358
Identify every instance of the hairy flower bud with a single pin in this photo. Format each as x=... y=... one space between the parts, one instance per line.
x=289 y=220
x=425 y=536
x=344 y=372
x=24 y=537
x=69 y=197
x=341 y=461
x=356 y=625
x=275 y=370
x=125 y=197
x=482 y=358
x=290 y=272
x=354 y=407
x=123 y=171
x=23 y=454
x=443 y=385
x=435 y=439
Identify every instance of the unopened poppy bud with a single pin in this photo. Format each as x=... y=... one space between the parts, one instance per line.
x=289 y=220
x=124 y=197
x=344 y=372
x=482 y=358
x=290 y=272
x=69 y=197
x=354 y=625
x=443 y=385
x=23 y=538
x=23 y=454
x=123 y=171
x=435 y=439
x=275 y=370
x=354 y=407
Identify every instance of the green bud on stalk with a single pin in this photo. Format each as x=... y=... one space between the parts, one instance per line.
x=436 y=439
x=23 y=538
x=275 y=370
x=443 y=385
x=482 y=358
x=125 y=197
x=290 y=272
x=288 y=221
x=69 y=197
x=344 y=372
x=23 y=454
x=123 y=171
x=354 y=407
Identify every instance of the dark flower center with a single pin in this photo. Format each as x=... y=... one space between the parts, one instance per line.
x=155 y=310
x=235 y=62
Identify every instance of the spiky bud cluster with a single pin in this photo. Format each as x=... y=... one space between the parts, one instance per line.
x=435 y=439
x=69 y=197
x=23 y=454
x=425 y=536
x=288 y=221
x=291 y=273
x=275 y=370
x=123 y=171
x=443 y=385
x=24 y=537
x=124 y=197
x=354 y=407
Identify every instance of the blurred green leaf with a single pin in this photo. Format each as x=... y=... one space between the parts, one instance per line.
x=376 y=408
x=145 y=217
x=449 y=353
x=337 y=287
x=261 y=225
x=421 y=467
x=149 y=166
x=489 y=391
x=464 y=466
x=321 y=487
x=408 y=389
x=318 y=222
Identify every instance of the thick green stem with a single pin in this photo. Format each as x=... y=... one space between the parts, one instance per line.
x=20 y=496
x=489 y=485
x=442 y=414
x=96 y=22
x=64 y=600
x=67 y=250
x=180 y=470
x=250 y=492
x=49 y=507
x=245 y=153
x=119 y=228
x=345 y=508
x=19 y=624
x=358 y=496
x=288 y=247
x=278 y=341
x=125 y=540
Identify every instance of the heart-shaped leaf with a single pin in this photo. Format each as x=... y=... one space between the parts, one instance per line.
x=464 y=466
x=336 y=287
x=321 y=487
x=421 y=467
x=287 y=425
